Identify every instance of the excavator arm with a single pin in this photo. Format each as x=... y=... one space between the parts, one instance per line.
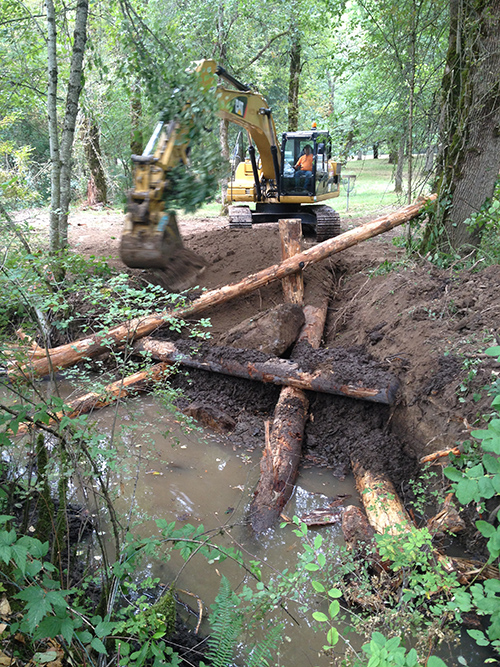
x=150 y=237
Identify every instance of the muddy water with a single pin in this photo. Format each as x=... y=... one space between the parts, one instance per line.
x=197 y=478
x=184 y=475
x=190 y=476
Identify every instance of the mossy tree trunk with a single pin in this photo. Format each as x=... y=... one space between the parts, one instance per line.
x=468 y=162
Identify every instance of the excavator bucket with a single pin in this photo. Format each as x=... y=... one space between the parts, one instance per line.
x=160 y=247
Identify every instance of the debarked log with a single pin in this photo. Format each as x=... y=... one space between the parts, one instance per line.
x=384 y=509
x=71 y=353
x=274 y=370
x=112 y=392
x=387 y=514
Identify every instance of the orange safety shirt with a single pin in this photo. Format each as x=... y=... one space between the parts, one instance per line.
x=305 y=162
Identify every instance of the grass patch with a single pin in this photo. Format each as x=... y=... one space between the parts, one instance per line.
x=211 y=210
x=374 y=187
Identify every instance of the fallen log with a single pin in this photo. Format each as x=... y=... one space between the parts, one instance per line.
x=358 y=535
x=91 y=346
x=274 y=370
x=280 y=461
x=386 y=514
x=384 y=509
x=111 y=393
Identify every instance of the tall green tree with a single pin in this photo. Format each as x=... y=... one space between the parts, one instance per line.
x=392 y=75
x=61 y=146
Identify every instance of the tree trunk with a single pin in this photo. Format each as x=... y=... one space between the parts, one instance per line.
x=330 y=79
x=383 y=507
x=112 y=392
x=61 y=154
x=411 y=104
x=281 y=459
x=294 y=83
x=375 y=150
x=269 y=369
x=93 y=155
x=398 y=186
x=280 y=462
x=224 y=145
x=55 y=176
x=469 y=158
x=67 y=355
x=136 y=138
x=291 y=244
x=429 y=159
x=349 y=143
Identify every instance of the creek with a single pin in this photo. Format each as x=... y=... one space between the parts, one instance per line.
x=191 y=476
x=172 y=471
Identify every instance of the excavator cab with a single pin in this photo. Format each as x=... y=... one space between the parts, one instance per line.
x=322 y=179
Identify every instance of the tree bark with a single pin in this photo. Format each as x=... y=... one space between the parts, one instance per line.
x=71 y=353
x=469 y=158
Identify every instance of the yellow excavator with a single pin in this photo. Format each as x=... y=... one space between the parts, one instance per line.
x=269 y=179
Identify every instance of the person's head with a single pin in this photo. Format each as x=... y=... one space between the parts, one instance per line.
x=307 y=149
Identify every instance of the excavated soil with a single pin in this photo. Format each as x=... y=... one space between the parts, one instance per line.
x=424 y=325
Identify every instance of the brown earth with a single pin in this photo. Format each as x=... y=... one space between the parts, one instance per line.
x=426 y=326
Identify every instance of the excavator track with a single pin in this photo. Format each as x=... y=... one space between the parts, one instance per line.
x=327 y=223
x=240 y=217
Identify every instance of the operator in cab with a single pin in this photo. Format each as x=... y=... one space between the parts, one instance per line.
x=304 y=167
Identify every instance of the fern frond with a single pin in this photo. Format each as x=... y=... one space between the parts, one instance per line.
x=226 y=622
x=261 y=653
